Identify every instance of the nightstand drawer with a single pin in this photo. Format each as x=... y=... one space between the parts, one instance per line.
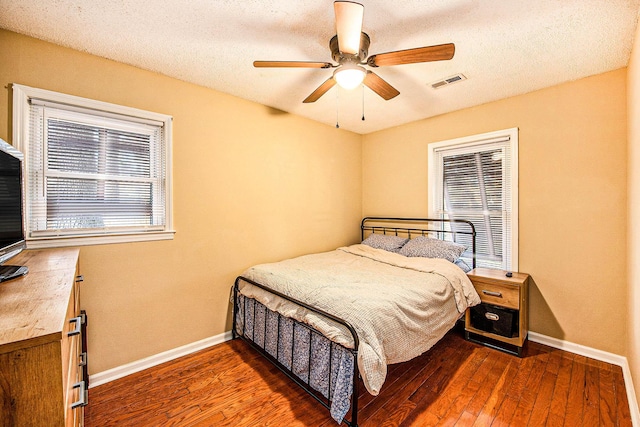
x=496 y=320
x=491 y=293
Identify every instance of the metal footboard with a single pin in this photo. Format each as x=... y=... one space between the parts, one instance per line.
x=259 y=344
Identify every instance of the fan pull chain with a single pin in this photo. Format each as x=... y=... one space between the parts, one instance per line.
x=337 y=108
x=363 y=103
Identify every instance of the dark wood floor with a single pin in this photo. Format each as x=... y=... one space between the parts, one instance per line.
x=456 y=383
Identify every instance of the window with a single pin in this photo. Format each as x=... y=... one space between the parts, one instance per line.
x=476 y=178
x=95 y=172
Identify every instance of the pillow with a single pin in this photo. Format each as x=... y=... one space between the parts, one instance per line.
x=463 y=265
x=428 y=247
x=385 y=241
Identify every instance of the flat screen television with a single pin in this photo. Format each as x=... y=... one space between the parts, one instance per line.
x=12 y=238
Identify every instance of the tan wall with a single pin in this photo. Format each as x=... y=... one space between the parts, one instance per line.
x=572 y=197
x=251 y=184
x=248 y=179
x=633 y=100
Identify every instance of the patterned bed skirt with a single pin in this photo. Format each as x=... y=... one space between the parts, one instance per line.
x=322 y=367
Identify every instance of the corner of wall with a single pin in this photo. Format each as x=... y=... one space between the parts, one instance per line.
x=633 y=180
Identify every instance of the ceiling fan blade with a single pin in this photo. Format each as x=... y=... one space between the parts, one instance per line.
x=349 y=16
x=322 y=89
x=379 y=86
x=291 y=64
x=439 y=52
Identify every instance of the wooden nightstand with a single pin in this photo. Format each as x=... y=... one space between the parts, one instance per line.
x=502 y=319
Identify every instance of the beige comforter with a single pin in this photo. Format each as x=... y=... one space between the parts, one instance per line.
x=400 y=307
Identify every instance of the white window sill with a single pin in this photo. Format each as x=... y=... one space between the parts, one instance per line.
x=58 y=242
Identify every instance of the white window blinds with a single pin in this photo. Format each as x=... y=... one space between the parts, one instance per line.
x=474 y=180
x=94 y=174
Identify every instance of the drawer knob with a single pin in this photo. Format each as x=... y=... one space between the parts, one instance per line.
x=492 y=293
x=492 y=316
x=79 y=278
x=83 y=395
x=77 y=328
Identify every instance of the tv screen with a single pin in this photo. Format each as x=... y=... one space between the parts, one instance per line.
x=11 y=220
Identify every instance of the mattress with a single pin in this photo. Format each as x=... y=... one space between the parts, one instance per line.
x=399 y=306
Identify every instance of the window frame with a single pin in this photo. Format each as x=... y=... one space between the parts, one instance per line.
x=469 y=142
x=22 y=96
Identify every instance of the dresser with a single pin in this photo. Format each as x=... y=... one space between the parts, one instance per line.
x=42 y=362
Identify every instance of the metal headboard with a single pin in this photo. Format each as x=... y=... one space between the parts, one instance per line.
x=420 y=226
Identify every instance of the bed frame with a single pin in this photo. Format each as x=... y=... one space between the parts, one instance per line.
x=409 y=227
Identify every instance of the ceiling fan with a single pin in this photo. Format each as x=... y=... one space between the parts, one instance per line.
x=349 y=48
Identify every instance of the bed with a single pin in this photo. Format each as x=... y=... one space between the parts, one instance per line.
x=328 y=320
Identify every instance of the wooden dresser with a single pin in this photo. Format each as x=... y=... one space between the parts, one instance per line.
x=41 y=374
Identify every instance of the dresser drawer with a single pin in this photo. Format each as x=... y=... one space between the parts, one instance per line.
x=497 y=294
x=72 y=392
x=67 y=345
x=75 y=383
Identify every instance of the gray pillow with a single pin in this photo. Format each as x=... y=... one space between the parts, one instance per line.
x=463 y=265
x=427 y=247
x=387 y=242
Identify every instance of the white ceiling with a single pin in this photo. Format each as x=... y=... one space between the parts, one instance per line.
x=503 y=47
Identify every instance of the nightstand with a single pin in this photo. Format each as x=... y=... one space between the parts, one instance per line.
x=502 y=319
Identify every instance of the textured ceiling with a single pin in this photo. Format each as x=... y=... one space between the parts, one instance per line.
x=504 y=48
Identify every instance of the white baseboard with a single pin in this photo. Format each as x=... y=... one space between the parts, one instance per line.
x=603 y=356
x=156 y=359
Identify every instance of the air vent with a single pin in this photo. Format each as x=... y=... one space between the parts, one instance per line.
x=449 y=80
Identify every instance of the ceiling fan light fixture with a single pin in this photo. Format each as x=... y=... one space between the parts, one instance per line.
x=349 y=76
x=350 y=50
